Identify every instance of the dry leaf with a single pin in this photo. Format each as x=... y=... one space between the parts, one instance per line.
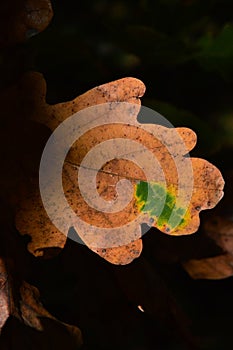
x=173 y=209
x=33 y=312
x=28 y=308
x=218 y=267
x=36 y=222
x=22 y=19
x=219 y=229
x=121 y=255
x=5 y=295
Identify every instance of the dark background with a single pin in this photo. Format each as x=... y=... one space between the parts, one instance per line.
x=183 y=51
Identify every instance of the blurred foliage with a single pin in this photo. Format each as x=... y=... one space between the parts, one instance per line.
x=217 y=52
x=181 y=49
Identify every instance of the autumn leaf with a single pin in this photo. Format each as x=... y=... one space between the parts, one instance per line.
x=28 y=308
x=19 y=20
x=5 y=295
x=220 y=230
x=168 y=188
x=217 y=229
x=40 y=224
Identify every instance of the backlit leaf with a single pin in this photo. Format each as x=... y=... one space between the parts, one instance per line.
x=169 y=200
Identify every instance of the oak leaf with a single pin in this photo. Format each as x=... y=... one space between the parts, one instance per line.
x=19 y=20
x=27 y=308
x=174 y=202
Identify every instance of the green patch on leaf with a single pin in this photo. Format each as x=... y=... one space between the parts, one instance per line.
x=160 y=204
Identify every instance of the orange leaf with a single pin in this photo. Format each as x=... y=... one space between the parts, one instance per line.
x=113 y=157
